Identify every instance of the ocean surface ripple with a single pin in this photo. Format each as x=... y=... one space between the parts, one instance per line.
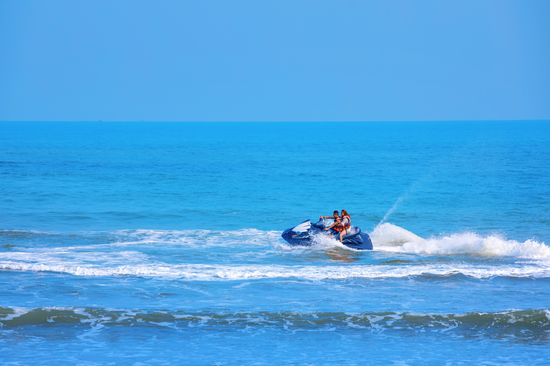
x=160 y=244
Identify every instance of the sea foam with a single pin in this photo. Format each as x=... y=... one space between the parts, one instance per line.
x=215 y=272
x=389 y=237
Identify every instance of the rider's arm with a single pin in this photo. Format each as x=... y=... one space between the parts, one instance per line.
x=336 y=222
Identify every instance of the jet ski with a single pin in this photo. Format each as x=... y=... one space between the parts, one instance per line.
x=304 y=233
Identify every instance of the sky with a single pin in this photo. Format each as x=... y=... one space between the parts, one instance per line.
x=253 y=60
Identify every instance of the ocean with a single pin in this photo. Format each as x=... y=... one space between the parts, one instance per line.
x=160 y=243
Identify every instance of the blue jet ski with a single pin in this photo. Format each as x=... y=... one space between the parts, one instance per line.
x=304 y=233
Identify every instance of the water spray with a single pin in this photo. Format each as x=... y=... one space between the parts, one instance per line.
x=394 y=207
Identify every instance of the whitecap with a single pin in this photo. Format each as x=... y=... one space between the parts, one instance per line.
x=389 y=237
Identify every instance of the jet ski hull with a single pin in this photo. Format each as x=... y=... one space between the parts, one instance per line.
x=304 y=233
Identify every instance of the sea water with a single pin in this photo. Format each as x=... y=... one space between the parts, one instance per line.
x=159 y=243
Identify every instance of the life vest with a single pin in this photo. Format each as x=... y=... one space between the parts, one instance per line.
x=346 y=224
x=338 y=228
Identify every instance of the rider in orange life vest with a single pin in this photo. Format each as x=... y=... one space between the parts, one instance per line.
x=342 y=223
x=335 y=216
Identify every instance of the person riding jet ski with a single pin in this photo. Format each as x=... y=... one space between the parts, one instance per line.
x=341 y=225
x=350 y=236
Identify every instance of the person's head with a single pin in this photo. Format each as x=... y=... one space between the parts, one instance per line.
x=344 y=213
x=335 y=214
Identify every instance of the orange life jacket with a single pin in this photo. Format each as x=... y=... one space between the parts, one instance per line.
x=345 y=224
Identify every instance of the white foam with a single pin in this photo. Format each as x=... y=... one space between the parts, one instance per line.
x=75 y=258
x=323 y=241
x=176 y=238
x=203 y=272
x=176 y=235
x=389 y=237
x=17 y=312
x=90 y=261
x=191 y=238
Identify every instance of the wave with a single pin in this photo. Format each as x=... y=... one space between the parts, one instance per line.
x=393 y=238
x=24 y=234
x=525 y=320
x=385 y=237
x=187 y=238
x=217 y=272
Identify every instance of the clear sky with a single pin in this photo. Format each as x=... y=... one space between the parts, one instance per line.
x=297 y=60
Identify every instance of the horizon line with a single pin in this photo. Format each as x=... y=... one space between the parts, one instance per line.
x=298 y=121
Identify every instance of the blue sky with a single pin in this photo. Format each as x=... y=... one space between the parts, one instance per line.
x=274 y=60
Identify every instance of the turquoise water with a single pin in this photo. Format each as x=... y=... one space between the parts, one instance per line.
x=159 y=243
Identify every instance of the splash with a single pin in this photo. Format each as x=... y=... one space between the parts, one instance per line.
x=394 y=207
x=392 y=235
x=393 y=238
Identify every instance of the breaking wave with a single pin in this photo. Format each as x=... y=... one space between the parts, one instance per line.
x=216 y=272
x=535 y=320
